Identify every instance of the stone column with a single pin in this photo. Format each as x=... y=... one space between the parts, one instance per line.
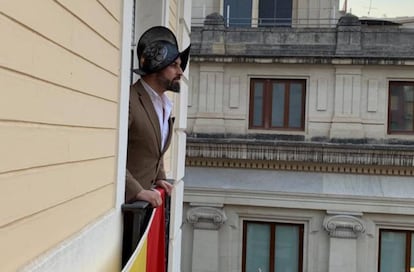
x=206 y=222
x=343 y=230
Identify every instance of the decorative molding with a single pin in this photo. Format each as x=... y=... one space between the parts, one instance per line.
x=343 y=226
x=347 y=94
x=299 y=156
x=210 y=92
x=206 y=217
x=300 y=166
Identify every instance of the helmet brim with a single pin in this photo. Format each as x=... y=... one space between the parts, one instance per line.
x=184 y=57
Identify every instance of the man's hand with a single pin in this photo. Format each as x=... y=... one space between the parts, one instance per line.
x=165 y=185
x=151 y=196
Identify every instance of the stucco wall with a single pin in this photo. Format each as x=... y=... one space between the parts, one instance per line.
x=219 y=97
x=60 y=82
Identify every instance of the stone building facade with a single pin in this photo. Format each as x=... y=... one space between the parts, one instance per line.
x=328 y=187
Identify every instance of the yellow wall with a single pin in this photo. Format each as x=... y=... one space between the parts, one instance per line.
x=172 y=24
x=59 y=92
x=173 y=15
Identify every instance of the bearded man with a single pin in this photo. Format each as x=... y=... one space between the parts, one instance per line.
x=161 y=66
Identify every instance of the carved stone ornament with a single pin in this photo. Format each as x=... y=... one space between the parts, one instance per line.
x=343 y=226
x=206 y=217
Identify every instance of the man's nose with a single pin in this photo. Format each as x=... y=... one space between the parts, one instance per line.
x=180 y=70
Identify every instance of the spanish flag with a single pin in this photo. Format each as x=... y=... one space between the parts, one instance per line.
x=149 y=256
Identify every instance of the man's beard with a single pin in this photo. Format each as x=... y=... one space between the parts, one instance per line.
x=174 y=86
x=171 y=85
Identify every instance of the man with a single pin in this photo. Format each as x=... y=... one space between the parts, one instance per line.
x=161 y=66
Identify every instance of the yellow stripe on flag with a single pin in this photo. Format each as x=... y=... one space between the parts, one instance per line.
x=140 y=263
x=138 y=260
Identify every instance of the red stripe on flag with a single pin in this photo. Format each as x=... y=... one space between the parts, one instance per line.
x=156 y=240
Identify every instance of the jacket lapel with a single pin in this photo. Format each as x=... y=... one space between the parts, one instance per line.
x=170 y=128
x=150 y=111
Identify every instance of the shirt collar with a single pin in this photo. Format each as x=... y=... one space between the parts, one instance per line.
x=155 y=96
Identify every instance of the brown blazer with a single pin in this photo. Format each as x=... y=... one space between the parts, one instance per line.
x=145 y=163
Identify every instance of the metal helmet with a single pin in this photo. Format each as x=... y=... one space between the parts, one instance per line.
x=157 y=48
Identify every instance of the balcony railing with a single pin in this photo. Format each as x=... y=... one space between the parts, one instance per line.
x=300 y=17
x=141 y=222
x=255 y=22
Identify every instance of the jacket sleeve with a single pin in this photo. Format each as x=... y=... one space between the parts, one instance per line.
x=132 y=187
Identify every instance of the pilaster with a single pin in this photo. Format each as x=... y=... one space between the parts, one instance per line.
x=344 y=230
x=346 y=121
x=206 y=222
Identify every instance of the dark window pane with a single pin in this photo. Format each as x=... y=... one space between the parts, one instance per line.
x=284 y=12
x=257 y=247
x=272 y=247
x=401 y=107
x=392 y=257
x=267 y=13
x=258 y=97
x=278 y=104
x=239 y=11
x=295 y=106
x=412 y=253
x=408 y=107
x=287 y=248
x=275 y=12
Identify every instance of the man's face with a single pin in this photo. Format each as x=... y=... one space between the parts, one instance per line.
x=170 y=76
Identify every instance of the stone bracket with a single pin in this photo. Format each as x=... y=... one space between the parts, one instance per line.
x=206 y=217
x=344 y=226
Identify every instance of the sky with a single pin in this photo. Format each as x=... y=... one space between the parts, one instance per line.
x=380 y=8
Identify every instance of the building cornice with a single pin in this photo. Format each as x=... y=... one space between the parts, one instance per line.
x=319 y=60
x=366 y=204
x=385 y=159
x=349 y=42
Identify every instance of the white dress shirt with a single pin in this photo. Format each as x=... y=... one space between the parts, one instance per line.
x=163 y=107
